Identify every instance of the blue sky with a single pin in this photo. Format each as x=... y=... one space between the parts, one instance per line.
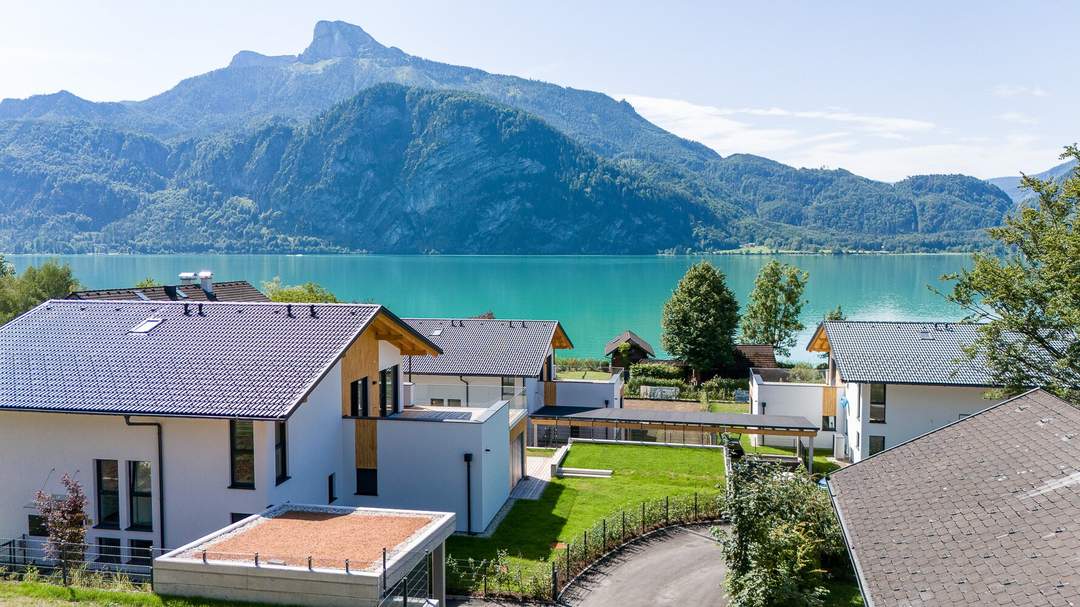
x=882 y=89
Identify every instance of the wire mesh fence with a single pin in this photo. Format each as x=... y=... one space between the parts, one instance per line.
x=545 y=580
x=106 y=563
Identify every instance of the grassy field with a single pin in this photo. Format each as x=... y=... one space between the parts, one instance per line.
x=571 y=505
x=25 y=594
x=844 y=594
x=595 y=375
x=540 y=451
x=822 y=465
x=728 y=406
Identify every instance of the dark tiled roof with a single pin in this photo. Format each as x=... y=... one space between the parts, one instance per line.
x=656 y=416
x=236 y=359
x=473 y=346
x=755 y=355
x=905 y=352
x=627 y=337
x=234 y=290
x=985 y=511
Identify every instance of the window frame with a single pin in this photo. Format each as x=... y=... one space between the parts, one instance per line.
x=882 y=404
x=331 y=488
x=359 y=401
x=870 y=444
x=281 y=453
x=36 y=521
x=512 y=386
x=134 y=493
x=370 y=475
x=389 y=378
x=234 y=452
x=114 y=547
x=100 y=493
x=144 y=547
x=828 y=427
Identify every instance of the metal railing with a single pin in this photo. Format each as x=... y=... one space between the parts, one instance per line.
x=412 y=589
x=81 y=564
x=546 y=580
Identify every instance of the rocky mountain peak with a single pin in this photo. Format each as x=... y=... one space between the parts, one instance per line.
x=338 y=39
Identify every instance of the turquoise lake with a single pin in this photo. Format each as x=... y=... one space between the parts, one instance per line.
x=594 y=297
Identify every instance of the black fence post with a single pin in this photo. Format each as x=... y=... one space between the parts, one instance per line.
x=623 y=536
x=667 y=510
x=605 y=535
x=554 y=581
x=585 y=543
x=695 y=507
x=642 y=518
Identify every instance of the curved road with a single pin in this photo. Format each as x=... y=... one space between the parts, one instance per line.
x=681 y=566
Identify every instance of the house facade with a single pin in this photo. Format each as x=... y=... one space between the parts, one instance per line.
x=179 y=418
x=890 y=382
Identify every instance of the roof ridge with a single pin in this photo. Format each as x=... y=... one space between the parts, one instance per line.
x=134 y=302
x=899 y=322
x=420 y=318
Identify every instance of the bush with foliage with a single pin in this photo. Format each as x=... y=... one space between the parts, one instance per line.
x=21 y=292
x=723 y=387
x=66 y=521
x=582 y=364
x=804 y=373
x=783 y=541
x=633 y=386
x=657 y=370
x=308 y=292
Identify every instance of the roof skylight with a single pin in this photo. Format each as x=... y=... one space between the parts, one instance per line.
x=147 y=325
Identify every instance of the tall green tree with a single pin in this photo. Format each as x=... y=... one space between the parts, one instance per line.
x=700 y=319
x=1029 y=298
x=772 y=316
x=147 y=283
x=19 y=293
x=308 y=292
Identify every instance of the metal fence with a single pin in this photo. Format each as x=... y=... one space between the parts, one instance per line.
x=413 y=589
x=83 y=564
x=546 y=580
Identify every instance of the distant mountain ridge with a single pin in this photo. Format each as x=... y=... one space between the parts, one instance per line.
x=693 y=198
x=1012 y=185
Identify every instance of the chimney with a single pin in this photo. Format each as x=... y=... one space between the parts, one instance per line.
x=187 y=278
x=206 y=279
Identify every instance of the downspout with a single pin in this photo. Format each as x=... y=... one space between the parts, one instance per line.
x=468 y=491
x=160 y=477
x=462 y=380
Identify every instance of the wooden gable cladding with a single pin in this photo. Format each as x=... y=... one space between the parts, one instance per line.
x=360 y=360
x=819 y=341
x=559 y=339
x=828 y=401
x=389 y=328
x=367 y=444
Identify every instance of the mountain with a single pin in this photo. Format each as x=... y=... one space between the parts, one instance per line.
x=391 y=170
x=1011 y=185
x=239 y=150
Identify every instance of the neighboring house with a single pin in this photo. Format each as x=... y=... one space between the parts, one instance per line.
x=887 y=382
x=188 y=290
x=490 y=359
x=626 y=349
x=637 y=350
x=982 y=511
x=180 y=417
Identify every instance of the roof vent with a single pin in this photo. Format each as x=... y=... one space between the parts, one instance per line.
x=436 y=332
x=147 y=325
x=141 y=295
x=206 y=280
x=187 y=278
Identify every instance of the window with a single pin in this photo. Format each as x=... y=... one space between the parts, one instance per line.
x=453 y=402
x=358 y=398
x=281 y=454
x=437 y=402
x=508 y=388
x=388 y=391
x=108 y=493
x=242 y=454
x=877 y=403
x=331 y=489
x=877 y=444
x=108 y=550
x=236 y=517
x=367 y=481
x=140 y=502
x=147 y=325
x=858 y=441
x=828 y=422
x=962 y=416
x=141 y=552
x=35 y=525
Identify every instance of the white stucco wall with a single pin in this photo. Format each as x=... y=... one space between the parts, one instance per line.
x=911 y=411
x=421 y=465
x=802 y=400
x=584 y=393
x=482 y=390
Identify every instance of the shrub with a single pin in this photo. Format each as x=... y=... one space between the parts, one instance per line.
x=723 y=387
x=804 y=373
x=657 y=370
x=583 y=364
x=635 y=383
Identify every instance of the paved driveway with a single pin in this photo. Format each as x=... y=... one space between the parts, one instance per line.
x=676 y=567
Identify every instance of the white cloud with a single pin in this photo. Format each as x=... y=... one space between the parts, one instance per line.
x=1019 y=90
x=879 y=147
x=1018 y=118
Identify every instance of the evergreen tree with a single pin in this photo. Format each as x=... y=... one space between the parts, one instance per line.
x=1029 y=298
x=699 y=320
x=772 y=316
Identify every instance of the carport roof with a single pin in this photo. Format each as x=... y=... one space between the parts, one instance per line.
x=695 y=418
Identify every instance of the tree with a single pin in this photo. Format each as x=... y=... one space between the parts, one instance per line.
x=65 y=522
x=1028 y=300
x=783 y=538
x=699 y=320
x=19 y=293
x=147 y=283
x=836 y=313
x=308 y=292
x=772 y=316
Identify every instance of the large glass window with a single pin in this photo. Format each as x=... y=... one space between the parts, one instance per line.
x=140 y=500
x=108 y=550
x=141 y=552
x=358 y=398
x=35 y=525
x=388 y=391
x=281 y=453
x=877 y=444
x=877 y=403
x=331 y=489
x=108 y=493
x=242 y=454
x=508 y=387
x=828 y=422
x=367 y=481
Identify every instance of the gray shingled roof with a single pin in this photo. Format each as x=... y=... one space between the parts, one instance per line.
x=985 y=511
x=905 y=352
x=474 y=346
x=248 y=360
x=627 y=336
x=232 y=290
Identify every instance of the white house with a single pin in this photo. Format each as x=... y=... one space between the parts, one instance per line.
x=886 y=383
x=487 y=359
x=178 y=418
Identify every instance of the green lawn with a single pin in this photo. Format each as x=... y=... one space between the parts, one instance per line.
x=540 y=451
x=822 y=465
x=597 y=375
x=728 y=406
x=25 y=594
x=572 y=505
x=843 y=594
